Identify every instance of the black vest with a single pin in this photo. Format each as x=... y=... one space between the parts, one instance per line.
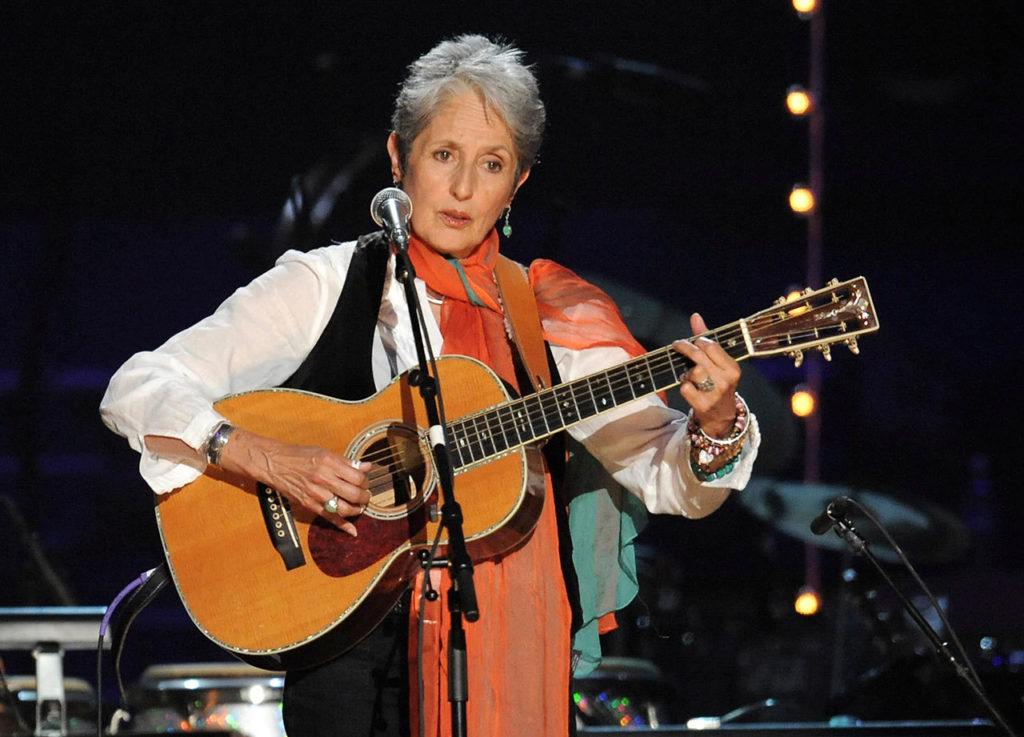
x=341 y=363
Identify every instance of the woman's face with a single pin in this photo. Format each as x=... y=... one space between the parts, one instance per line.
x=460 y=174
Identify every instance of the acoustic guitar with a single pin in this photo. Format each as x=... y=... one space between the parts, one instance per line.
x=282 y=588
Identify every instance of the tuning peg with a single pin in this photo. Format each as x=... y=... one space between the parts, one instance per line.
x=833 y=283
x=779 y=301
x=807 y=291
x=826 y=351
x=797 y=356
x=851 y=343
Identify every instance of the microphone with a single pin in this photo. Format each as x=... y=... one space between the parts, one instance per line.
x=391 y=209
x=835 y=511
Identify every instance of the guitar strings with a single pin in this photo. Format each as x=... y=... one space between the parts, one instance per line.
x=381 y=478
x=616 y=379
x=657 y=360
x=622 y=376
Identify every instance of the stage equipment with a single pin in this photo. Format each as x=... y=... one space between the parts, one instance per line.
x=838 y=514
x=207 y=697
x=929 y=534
x=391 y=209
x=971 y=728
x=801 y=199
x=798 y=101
x=229 y=567
x=808 y=602
x=802 y=401
x=79 y=698
x=624 y=692
x=805 y=8
x=48 y=632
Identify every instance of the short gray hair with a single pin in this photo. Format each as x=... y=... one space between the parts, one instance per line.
x=493 y=69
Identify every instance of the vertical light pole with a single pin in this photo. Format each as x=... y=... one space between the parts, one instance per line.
x=807 y=201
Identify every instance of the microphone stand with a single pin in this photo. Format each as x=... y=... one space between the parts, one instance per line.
x=461 y=593
x=844 y=528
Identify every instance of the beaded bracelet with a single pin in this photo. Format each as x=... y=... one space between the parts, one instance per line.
x=703 y=475
x=706 y=452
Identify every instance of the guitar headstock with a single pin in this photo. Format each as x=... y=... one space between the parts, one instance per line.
x=836 y=313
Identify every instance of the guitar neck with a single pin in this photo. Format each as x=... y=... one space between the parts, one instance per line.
x=479 y=437
x=836 y=313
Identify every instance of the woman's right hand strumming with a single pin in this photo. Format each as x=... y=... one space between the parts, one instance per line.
x=310 y=476
x=306 y=474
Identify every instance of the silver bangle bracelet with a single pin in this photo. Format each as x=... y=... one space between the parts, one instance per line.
x=218 y=439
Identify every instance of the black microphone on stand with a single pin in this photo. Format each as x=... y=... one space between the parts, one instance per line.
x=834 y=517
x=834 y=512
x=391 y=209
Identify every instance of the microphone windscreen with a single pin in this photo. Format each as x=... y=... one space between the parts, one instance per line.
x=834 y=511
x=387 y=198
x=821 y=524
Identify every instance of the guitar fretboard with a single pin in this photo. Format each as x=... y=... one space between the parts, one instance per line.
x=498 y=430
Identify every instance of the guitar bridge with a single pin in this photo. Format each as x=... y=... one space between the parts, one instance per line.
x=277 y=516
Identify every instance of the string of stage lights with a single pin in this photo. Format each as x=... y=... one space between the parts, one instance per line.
x=805 y=200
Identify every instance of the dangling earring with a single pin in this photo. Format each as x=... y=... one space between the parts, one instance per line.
x=506 y=229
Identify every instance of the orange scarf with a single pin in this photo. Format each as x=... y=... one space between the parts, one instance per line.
x=468 y=330
x=519 y=650
x=574 y=313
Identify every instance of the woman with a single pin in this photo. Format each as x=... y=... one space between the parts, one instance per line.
x=467 y=126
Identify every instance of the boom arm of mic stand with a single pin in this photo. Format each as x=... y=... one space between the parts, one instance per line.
x=845 y=529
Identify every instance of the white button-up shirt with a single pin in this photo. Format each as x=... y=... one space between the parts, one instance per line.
x=261 y=334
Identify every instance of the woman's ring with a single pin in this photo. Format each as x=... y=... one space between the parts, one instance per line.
x=706 y=385
x=331 y=505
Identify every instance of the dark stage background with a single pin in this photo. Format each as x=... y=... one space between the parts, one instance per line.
x=148 y=150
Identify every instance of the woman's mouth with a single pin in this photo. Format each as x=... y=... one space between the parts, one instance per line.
x=455 y=218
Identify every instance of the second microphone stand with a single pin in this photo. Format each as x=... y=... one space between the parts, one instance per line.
x=844 y=528
x=461 y=594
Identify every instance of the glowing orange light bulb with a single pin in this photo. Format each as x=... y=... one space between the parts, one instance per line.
x=805 y=7
x=798 y=101
x=807 y=602
x=802 y=402
x=801 y=199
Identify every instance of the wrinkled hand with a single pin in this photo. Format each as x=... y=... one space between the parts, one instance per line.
x=306 y=474
x=714 y=371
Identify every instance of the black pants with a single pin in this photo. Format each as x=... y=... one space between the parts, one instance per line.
x=362 y=693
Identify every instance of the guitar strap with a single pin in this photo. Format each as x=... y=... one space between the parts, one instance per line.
x=523 y=321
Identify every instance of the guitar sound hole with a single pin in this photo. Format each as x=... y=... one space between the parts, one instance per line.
x=400 y=477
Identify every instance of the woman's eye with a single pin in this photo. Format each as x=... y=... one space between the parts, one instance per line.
x=442 y=155
x=493 y=165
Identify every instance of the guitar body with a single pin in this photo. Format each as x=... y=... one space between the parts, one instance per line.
x=221 y=549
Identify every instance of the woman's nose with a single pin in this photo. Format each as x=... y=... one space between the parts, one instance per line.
x=462 y=183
